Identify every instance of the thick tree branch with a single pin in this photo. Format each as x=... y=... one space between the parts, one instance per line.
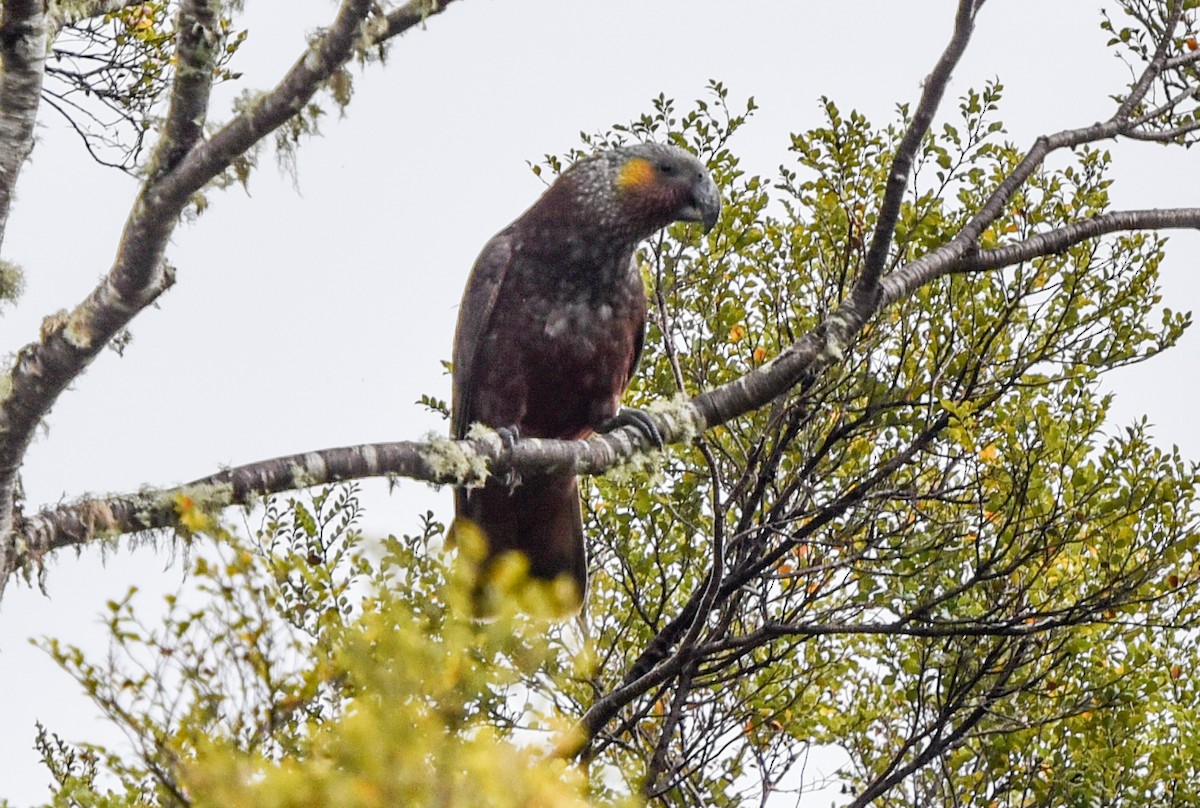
x=198 y=40
x=69 y=342
x=441 y=461
x=23 y=37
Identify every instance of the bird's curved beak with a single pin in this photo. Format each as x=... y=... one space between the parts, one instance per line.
x=705 y=204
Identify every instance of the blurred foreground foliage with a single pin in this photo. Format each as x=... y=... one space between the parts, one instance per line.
x=307 y=667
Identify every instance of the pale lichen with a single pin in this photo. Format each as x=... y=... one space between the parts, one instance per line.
x=834 y=349
x=12 y=282
x=644 y=467
x=78 y=329
x=186 y=502
x=458 y=461
x=97 y=515
x=312 y=471
x=485 y=434
x=52 y=324
x=684 y=420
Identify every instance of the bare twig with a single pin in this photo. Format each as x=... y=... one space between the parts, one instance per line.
x=906 y=153
x=941 y=740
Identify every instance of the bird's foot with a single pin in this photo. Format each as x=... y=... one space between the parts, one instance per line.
x=506 y=474
x=639 y=420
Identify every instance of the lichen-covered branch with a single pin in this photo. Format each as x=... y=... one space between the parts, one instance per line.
x=182 y=165
x=210 y=158
x=23 y=32
x=436 y=461
x=69 y=341
x=199 y=40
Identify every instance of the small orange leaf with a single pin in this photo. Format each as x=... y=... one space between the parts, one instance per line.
x=760 y=354
x=1176 y=671
x=737 y=333
x=1191 y=43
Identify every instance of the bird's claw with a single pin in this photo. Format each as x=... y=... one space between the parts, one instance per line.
x=639 y=420
x=508 y=476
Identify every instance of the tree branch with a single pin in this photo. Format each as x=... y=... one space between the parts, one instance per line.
x=906 y=153
x=198 y=39
x=77 y=12
x=410 y=14
x=23 y=38
x=183 y=164
x=1171 y=135
x=1157 y=62
x=943 y=743
x=1062 y=238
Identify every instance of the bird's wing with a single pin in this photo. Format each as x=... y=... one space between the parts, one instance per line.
x=473 y=317
x=639 y=338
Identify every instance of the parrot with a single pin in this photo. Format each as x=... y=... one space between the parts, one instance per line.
x=550 y=331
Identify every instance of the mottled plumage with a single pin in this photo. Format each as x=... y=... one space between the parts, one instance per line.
x=551 y=328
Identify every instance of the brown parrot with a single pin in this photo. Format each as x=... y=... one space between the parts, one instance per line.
x=550 y=332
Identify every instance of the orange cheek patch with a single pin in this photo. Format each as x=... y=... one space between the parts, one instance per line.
x=637 y=172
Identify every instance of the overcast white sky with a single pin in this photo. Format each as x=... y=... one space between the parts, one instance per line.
x=311 y=319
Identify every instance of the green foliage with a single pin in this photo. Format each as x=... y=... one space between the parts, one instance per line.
x=307 y=666
x=1171 y=108
x=947 y=511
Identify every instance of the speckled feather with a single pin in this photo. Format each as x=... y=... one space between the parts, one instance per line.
x=551 y=329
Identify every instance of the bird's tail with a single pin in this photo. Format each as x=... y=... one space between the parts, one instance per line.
x=540 y=519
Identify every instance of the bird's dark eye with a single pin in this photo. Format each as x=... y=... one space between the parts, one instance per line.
x=666 y=168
